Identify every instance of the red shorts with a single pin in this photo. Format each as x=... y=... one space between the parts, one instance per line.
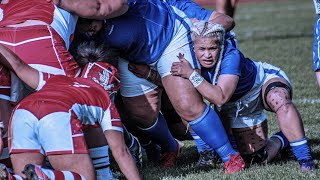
x=39 y=46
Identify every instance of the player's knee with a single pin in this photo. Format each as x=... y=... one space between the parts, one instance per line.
x=189 y=111
x=279 y=99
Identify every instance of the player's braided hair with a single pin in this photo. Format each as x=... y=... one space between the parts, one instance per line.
x=202 y=29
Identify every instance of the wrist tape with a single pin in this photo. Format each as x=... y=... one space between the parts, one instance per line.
x=195 y=79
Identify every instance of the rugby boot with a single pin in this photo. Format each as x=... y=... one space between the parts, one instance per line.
x=287 y=153
x=235 y=164
x=169 y=159
x=4 y=172
x=307 y=165
x=136 y=152
x=34 y=172
x=153 y=152
x=206 y=159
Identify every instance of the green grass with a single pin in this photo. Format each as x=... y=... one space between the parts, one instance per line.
x=280 y=33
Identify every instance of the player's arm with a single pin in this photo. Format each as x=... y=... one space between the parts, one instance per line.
x=226 y=21
x=25 y=72
x=94 y=9
x=216 y=94
x=195 y=11
x=144 y=71
x=122 y=154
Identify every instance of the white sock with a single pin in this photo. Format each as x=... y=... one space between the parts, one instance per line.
x=101 y=161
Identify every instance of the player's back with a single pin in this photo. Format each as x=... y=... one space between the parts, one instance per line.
x=68 y=92
x=18 y=11
x=143 y=32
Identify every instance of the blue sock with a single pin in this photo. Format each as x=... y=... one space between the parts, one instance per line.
x=210 y=129
x=301 y=149
x=282 y=138
x=201 y=145
x=160 y=134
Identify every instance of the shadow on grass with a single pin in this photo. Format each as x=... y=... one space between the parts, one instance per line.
x=186 y=162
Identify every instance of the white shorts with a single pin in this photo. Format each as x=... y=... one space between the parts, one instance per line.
x=131 y=85
x=51 y=129
x=181 y=42
x=29 y=134
x=249 y=110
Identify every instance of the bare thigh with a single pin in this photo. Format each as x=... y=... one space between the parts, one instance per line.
x=144 y=109
x=184 y=97
x=20 y=160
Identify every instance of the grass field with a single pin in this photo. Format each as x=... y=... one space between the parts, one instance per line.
x=280 y=33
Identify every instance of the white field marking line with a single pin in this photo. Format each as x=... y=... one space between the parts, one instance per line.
x=307 y=101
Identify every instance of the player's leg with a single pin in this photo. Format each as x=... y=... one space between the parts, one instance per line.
x=5 y=105
x=252 y=143
x=71 y=166
x=277 y=97
x=99 y=152
x=151 y=148
x=24 y=146
x=188 y=102
x=316 y=55
x=64 y=144
x=121 y=153
x=142 y=104
x=227 y=7
x=176 y=125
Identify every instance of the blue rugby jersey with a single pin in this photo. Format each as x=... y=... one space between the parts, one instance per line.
x=235 y=63
x=144 y=31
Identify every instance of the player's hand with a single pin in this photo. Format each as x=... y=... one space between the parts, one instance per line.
x=140 y=70
x=182 y=68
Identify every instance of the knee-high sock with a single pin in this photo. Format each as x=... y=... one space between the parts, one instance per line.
x=62 y=175
x=160 y=134
x=101 y=161
x=201 y=145
x=210 y=129
x=284 y=141
x=52 y=174
x=301 y=149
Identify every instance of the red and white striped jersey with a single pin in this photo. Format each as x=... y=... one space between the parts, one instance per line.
x=19 y=11
x=89 y=101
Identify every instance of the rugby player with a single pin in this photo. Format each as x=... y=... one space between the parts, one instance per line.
x=62 y=107
x=242 y=89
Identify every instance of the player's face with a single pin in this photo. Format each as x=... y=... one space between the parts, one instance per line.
x=207 y=50
x=94 y=27
x=91 y=29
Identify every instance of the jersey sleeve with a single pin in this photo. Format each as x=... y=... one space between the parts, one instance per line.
x=231 y=63
x=43 y=77
x=111 y=119
x=191 y=9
